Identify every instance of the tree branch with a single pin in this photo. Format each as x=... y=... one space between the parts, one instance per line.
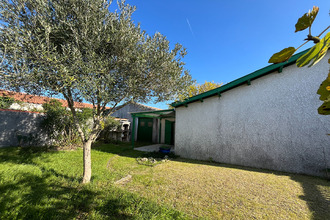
x=323 y=31
x=302 y=45
x=4 y=55
x=314 y=39
x=70 y=101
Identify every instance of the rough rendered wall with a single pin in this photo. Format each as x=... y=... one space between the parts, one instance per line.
x=272 y=124
x=155 y=133
x=22 y=123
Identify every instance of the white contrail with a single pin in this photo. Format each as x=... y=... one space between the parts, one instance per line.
x=190 y=27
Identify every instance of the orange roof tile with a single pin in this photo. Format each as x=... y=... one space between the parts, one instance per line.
x=24 y=97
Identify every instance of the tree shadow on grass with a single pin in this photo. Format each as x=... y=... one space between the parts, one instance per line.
x=31 y=191
x=318 y=200
x=44 y=200
x=41 y=196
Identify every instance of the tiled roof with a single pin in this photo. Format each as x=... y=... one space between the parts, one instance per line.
x=147 y=107
x=24 y=97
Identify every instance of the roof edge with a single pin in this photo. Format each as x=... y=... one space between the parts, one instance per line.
x=245 y=79
x=144 y=112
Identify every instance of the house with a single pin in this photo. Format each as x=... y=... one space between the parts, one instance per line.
x=28 y=102
x=125 y=110
x=267 y=119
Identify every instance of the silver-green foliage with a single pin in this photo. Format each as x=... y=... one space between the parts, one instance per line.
x=59 y=126
x=84 y=51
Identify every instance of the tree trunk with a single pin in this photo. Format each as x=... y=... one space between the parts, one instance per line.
x=87 y=162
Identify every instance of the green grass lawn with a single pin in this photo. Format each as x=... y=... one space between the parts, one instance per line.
x=36 y=183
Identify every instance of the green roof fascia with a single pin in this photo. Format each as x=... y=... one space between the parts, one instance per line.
x=145 y=114
x=245 y=79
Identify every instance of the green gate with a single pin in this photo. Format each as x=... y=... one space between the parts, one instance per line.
x=145 y=129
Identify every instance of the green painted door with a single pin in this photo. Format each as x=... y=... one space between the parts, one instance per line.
x=169 y=132
x=145 y=129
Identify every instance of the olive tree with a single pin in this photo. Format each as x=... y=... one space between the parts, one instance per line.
x=83 y=51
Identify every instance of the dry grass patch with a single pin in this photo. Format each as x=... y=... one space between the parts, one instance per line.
x=221 y=192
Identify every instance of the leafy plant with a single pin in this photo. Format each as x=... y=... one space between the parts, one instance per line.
x=110 y=124
x=59 y=126
x=5 y=102
x=312 y=57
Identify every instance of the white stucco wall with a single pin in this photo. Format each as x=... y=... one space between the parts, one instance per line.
x=162 y=130
x=155 y=133
x=272 y=124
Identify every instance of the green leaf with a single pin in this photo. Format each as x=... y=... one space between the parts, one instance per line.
x=316 y=53
x=307 y=19
x=320 y=56
x=282 y=56
x=324 y=109
x=324 y=92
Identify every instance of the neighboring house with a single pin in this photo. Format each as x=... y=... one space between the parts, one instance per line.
x=29 y=102
x=125 y=110
x=267 y=119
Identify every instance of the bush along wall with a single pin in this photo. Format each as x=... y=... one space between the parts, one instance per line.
x=59 y=125
x=6 y=102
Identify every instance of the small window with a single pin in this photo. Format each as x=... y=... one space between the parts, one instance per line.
x=142 y=123
x=149 y=124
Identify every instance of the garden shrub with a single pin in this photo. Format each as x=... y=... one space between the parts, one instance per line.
x=110 y=125
x=5 y=102
x=59 y=125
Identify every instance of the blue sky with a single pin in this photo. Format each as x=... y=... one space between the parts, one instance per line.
x=226 y=40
